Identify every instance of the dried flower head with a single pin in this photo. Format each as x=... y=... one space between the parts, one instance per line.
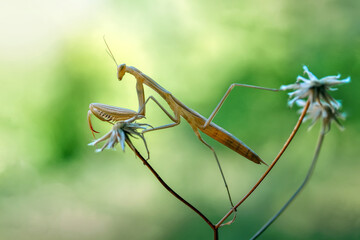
x=121 y=133
x=322 y=111
x=314 y=88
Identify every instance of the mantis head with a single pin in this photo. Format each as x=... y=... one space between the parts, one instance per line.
x=121 y=71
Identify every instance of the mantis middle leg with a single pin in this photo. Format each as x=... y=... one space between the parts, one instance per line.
x=175 y=118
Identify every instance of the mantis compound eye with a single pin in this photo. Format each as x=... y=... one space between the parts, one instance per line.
x=121 y=71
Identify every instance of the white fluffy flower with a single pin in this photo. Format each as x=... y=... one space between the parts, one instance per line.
x=121 y=133
x=322 y=111
x=315 y=89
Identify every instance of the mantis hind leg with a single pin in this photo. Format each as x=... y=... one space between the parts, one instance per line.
x=196 y=131
x=232 y=86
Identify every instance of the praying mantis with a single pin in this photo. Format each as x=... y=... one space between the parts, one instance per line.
x=196 y=121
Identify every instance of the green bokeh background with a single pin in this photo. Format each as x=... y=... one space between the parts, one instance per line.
x=53 y=64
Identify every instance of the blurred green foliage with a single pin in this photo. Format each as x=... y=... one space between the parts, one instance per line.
x=53 y=65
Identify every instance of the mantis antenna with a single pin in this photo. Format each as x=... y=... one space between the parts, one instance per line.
x=109 y=51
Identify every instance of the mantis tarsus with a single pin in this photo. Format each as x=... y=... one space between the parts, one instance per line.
x=195 y=120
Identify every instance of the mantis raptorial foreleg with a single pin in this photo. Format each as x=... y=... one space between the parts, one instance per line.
x=232 y=86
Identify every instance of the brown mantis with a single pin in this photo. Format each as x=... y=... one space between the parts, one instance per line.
x=196 y=121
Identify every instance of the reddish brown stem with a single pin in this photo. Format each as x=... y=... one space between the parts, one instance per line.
x=292 y=198
x=296 y=128
x=216 y=233
x=146 y=163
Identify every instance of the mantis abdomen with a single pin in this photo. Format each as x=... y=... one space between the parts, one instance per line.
x=222 y=136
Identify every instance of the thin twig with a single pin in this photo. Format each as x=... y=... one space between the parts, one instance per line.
x=146 y=163
x=296 y=128
x=306 y=180
x=216 y=233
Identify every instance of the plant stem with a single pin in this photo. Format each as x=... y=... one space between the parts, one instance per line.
x=296 y=128
x=307 y=178
x=146 y=163
x=216 y=233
